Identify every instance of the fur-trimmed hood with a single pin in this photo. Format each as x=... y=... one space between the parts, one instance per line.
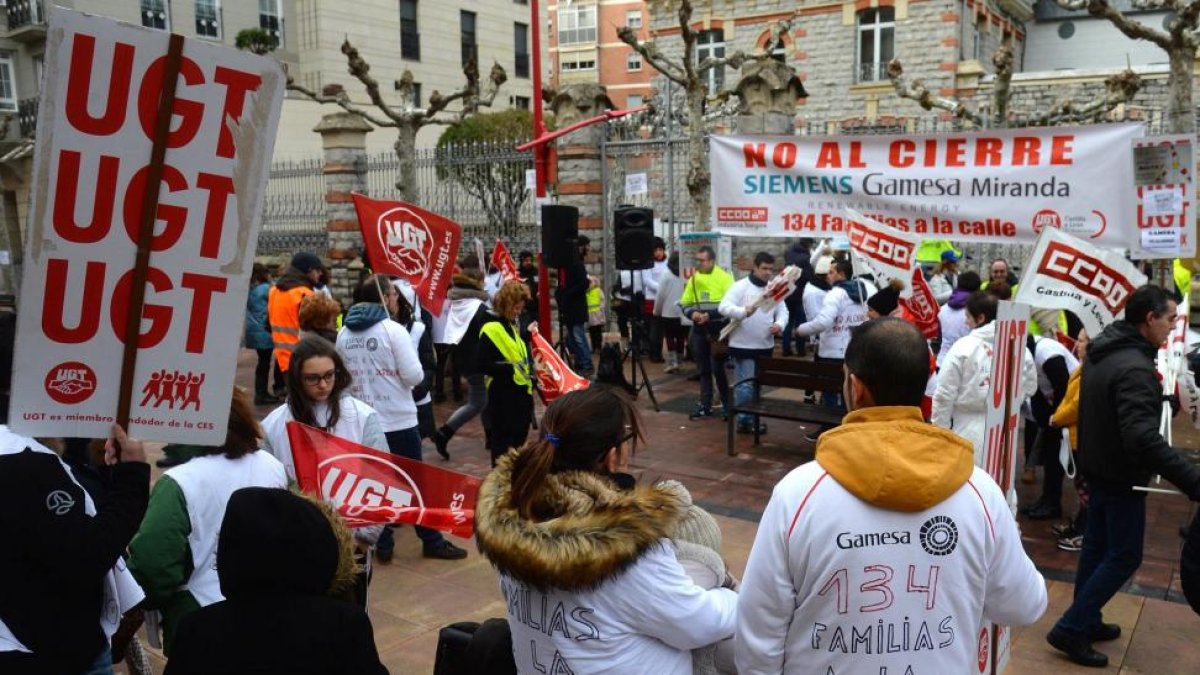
x=598 y=531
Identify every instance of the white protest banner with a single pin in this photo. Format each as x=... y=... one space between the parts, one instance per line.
x=1165 y=189
x=1171 y=362
x=999 y=186
x=1068 y=273
x=91 y=177
x=888 y=252
x=1000 y=447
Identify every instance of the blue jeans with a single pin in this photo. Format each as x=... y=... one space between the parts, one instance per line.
x=1112 y=552
x=407 y=443
x=476 y=403
x=743 y=392
x=577 y=342
x=103 y=664
x=710 y=369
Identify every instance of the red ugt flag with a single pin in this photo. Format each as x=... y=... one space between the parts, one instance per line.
x=502 y=260
x=412 y=243
x=554 y=377
x=369 y=487
x=923 y=305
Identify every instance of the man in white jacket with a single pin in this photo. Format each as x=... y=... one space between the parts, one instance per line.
x=754 y=338
x=965 y=376
x=890 y=550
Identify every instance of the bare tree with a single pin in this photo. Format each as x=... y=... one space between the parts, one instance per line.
x=691 y=74
x=1179 y=41
x=407 y=118
x=1119 y=88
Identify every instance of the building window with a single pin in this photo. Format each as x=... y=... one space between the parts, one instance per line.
x=208 y=19
x=416 y=94
x=521 y=49
x=633 y=62
x=521 y=102
x=571 y=66
x=576 y=24
x=634 y=101
x=410 y=39
x=154 y=14
x=876 y=43
x=466 y=26
x=711 y=44
x=633 y=18
x=270 y=19
x=8 y=84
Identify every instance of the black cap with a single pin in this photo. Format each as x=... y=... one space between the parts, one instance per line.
x=307 y=262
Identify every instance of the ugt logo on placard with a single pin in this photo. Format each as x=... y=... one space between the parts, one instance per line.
x=70 y=382
x=406 y=240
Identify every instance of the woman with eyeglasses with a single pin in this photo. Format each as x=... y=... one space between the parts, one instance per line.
x=317 y=395
x=569 y=530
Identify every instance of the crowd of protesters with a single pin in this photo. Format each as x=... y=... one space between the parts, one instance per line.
x=601 y=573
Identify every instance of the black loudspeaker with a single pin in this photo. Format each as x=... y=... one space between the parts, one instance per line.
x=560 y=233
x=633 y=237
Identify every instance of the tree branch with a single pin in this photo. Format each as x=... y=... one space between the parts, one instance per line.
x=1128 y=26
x=652 y=55
x=917 y=91
x=360 y=69
x=339 y=99
x=689 y=41
x=1121 y=88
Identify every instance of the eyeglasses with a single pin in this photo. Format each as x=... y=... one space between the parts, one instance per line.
x=317 y=378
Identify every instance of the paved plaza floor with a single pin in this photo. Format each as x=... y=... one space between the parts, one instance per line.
x=411 y=598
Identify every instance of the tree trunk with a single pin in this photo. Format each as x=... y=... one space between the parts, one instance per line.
x=699 y=180
x=1181 y=115
x=406 y=149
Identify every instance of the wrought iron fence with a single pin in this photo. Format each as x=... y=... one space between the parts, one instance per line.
x=481 y=186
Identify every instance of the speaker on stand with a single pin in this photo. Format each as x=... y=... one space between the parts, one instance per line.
x=560 y=250
x=633 y=246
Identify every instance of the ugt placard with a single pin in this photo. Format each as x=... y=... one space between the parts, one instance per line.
x=95 y=134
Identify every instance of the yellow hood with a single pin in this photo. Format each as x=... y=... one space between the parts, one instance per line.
x=891 y=458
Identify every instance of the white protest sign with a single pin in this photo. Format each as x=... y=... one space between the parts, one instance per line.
x=888 y=252
x=1068 y=273
x=1171 y=361
x=95 y=128
x=1000 y=446
x=530 y=179
x=635 y=184
x=1165 y=189
x=994 y=186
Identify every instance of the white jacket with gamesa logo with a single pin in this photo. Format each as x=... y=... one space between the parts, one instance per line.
x=885 y=554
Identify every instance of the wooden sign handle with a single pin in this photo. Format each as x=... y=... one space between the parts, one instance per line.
x=149 y=214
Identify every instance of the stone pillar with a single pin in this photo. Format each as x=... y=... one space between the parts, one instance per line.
x=579 y=174
x=768 y=91
x=344 y=141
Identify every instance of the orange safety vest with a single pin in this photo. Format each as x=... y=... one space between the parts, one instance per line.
x=283 y=312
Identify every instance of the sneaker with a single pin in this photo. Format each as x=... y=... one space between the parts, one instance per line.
x=1064 y=529
x=701 y=411
x=1073 y=544
x=445 y=551
x=383 y=556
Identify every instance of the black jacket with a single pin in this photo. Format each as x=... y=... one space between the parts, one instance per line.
x=466 y=352
x=54 y=558
x=276 y=559
x=1120 y=406
x=798 y=254
x=572 y=295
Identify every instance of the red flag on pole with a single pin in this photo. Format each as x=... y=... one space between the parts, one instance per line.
x=554 y=377
x=923 y=305
x=409 y=242
x=370 y=487
x=502 y=260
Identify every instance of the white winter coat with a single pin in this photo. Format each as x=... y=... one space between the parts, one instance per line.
x=954 y=326
x=960 y=402
x=755 y=331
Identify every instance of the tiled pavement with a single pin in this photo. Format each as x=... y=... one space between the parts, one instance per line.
x=412 y=597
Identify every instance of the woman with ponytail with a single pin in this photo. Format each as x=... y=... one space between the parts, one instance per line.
x=569 y=531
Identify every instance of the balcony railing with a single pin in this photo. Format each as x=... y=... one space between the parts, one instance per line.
x=27 y=113
x=24 y=13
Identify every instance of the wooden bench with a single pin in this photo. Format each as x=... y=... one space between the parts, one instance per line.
x=809 y=376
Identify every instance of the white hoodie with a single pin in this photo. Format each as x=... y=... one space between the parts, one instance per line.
x=960 y=402
x=385 y=367
x=755 y=331
x=837 y=316
x=894 y=570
